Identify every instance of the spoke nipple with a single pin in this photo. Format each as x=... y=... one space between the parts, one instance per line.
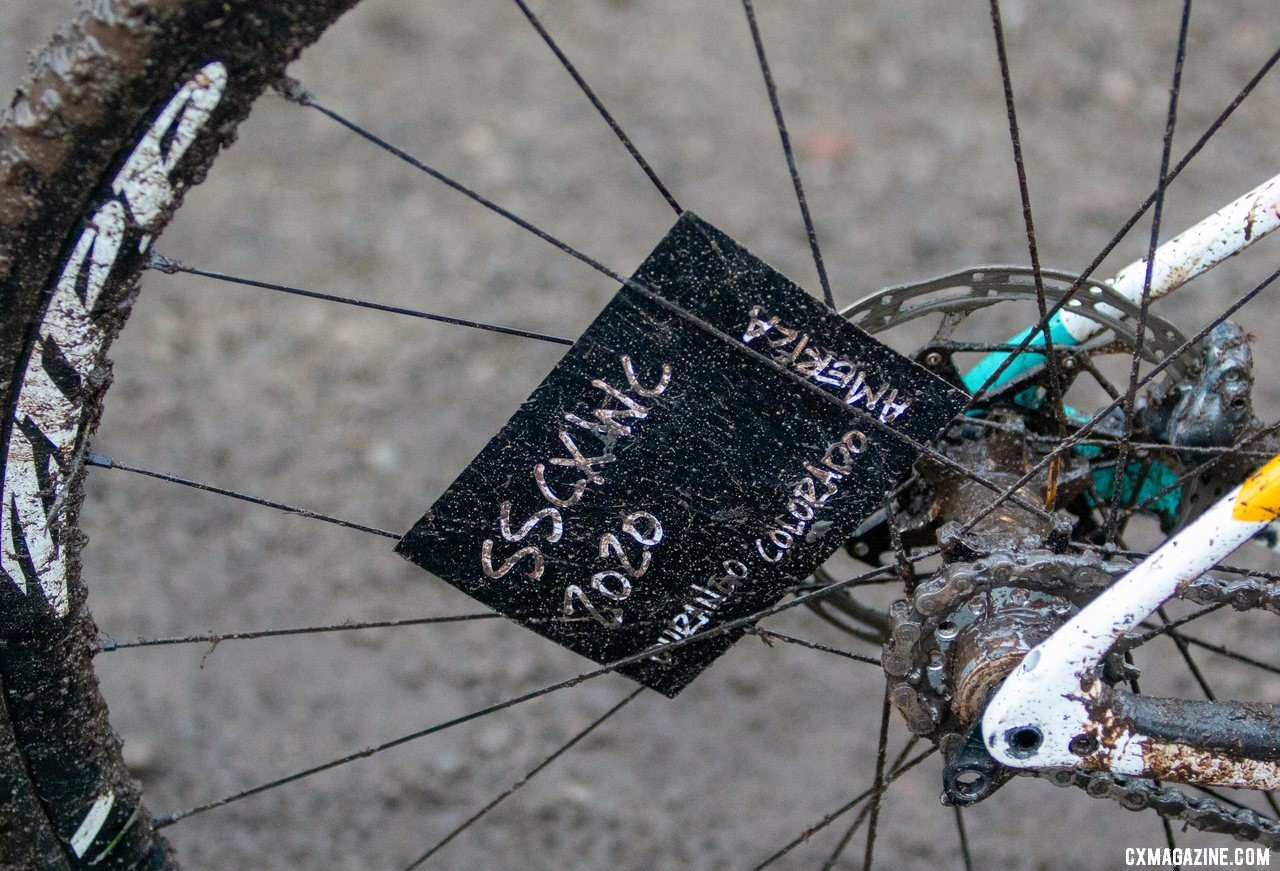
x=162 y=264
x=291 y=89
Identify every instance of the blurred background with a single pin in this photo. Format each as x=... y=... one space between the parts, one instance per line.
x=898 y=117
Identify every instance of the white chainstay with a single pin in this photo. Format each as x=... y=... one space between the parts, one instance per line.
x=1223 y=234
x=1055 y=689
x=46 y=430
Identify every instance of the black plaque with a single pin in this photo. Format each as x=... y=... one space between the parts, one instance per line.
x=712 y=437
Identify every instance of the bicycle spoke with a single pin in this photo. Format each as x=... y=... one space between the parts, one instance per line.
x=1171 y=625
x=852 y=830
x=105 y=462
x=844 y=809
x=826 y=396
x=503 y=796
x=1142 y=554
x=788 y=152
x=825 y=586
x=1181 y=642
x=1170 y=629
x=178 y=816
x=843 y=843
x=873 y=822
x=1187 y=659
x=170 y=266
x=1133 y=219
x=298 y=94
x=294 y=91
x=1217 y=796
x=965 y=855
x=1098 y=416
x=1217 y=456
x=1086 y=362
x=1144 y=303
x=1168 y=838
x=649 y=294
x=767 y=634
x=108 y=645
x=1230 y=654
x=866 y=808
x=1033 y=248
x=599 y=106
x=696 y=638
x=1216 y=452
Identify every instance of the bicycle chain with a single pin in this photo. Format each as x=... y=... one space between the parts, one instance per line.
x=1203 y=813
x=1242 y=594
x=1069 y=580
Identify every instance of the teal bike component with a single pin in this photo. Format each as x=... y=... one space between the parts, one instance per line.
x=1143 y=484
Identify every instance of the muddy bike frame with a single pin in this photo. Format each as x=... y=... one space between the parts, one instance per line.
x=1053 y=710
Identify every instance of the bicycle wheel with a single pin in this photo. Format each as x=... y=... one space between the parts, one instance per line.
x=206 y=443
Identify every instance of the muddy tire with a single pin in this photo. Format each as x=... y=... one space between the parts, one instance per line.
x=77 y=127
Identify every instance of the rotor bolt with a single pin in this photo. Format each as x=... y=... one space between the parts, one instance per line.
x=933 y=359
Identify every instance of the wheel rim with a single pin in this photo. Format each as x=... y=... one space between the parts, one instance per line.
x=321 y=492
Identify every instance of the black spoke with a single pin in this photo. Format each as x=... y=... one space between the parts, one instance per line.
x=1217 y=456
x=1088 y=426
x=507 y=793
x=1142 y=554
x=1168 y=839
x=1230 y=654
x=789 y=153
x=1086 y=362
x=829 y=397
x=873 y=821
x=1217 y=796
x=1270 y=797
x=599 y=106
x=215 y=638
x=104 y=462
x=171 y=266
x=1033 y=248
x=767 y=634
x=697 y=638
x=177 y=816
x=861 y=818
x=1183 y=649
x=1144 y=303
x=1194 y=668
x=964 y=838
x=1133 y=219
x=1187 y=659
x=1169 y=626
x=292 y=90
x=1217 y=453
x=844 y=809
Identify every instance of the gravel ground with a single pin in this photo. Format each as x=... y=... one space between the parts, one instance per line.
x=899 y=120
